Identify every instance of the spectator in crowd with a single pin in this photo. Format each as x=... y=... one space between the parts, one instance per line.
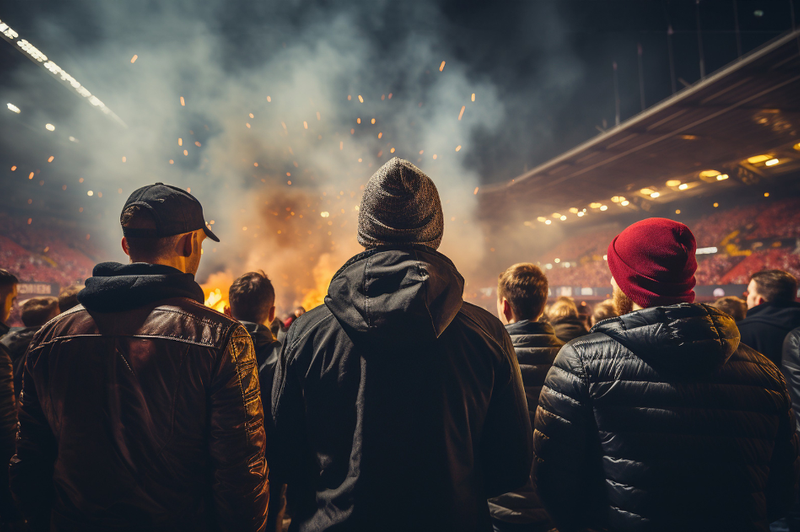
x=521 y=296
x=34 y=312
x=299 y=311
x=68 y=297
x=661 y=419
x=155 y=420
x=563 y=316
x=8 y=406
x=397 y=405
x=603 y=311
x=585 y=313
x=733 y=306
x=252 y=302
x=771 y=312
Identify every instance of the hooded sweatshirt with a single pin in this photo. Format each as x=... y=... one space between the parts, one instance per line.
x=398 y=406
x=766 y=326
x=661 y=420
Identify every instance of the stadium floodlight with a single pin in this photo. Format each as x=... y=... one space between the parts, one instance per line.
x=38 y=57
x=13 y=108
x=771 y=162
x=50 y=127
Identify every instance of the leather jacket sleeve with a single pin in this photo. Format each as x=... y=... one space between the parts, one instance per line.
x=237 y=439
x=8 y=432
x=507 y=441
x=784 y=470
x=791 y=370
x=31 y=470
x=562 y=432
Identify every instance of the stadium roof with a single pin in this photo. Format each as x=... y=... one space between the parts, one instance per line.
x=747 y=110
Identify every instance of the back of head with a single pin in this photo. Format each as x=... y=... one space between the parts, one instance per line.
x=251 y=297
x=7 y=281
x=525 y=287
x=603 y=311
x=564 y=307
x=653 y=262
x=400 y=206
x=775 y=286
x=145 y=249
x=37 y=311
x=733 y=306
x=68 y=297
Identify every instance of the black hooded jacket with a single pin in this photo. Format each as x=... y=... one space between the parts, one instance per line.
x=397 y=405
x=140 y=410
x=660 y=420
x=766 y=326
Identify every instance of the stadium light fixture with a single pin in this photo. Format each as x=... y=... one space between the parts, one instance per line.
x=13 y=108
x=758 y=159
x=563 y=217
x=556 y=260
x=709 y=173
x=797 y=146
x=771 y=162
x=541 y=218
x=594 y=205
x=654 y=195
x=674 y=183
x=556 y=215
x=647 y=191
x=548 y=222
x=625 y=203
x=603 y=207
x=722 y=177
x=573 y=210
x=581 y=214
x=683 y=186
x=50 y=127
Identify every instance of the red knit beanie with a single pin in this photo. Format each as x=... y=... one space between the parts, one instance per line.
x=653 y=262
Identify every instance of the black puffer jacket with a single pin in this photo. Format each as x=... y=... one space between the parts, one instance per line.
x=536 y=346
x=661 y=420
x=766 y=326
x=569 y=327
x=791 y=369
x=140 y=410
x=397 y=405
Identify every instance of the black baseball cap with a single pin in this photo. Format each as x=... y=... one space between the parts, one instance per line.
x=174 y=210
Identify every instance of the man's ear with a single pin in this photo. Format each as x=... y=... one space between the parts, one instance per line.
x=124 y=244
x=271 y=316
x=760 y=300
x=185 y=245
x=507 y=312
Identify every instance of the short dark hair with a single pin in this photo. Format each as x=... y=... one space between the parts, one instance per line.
x=251 y=296
x=68 y=297
x=146 y=249
x=38 y=310
x=735 y=307
x=524 y=286
x=7 y=279
x=776 y=286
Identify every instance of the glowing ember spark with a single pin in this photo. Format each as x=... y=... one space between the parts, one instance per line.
x=305 y=124
x=458 y=148
x=390 y=95
x=373 y=120
x=50 y=160
x=391 y=151
x=180 y=141
x=380 y=135
x=462 y=111
x=255 y=164
x=247 y=124
x=171 y=161
x=421 y=152
x=359 y=159
x=341 y=144
x=358 y=120
x=251 y=115
x=134 y=58
x=13 y=168
x=30 y=176
x=288 y=174
x=441 y=67
x=124 y=159
x=197 y=143
x=348 y=97
x=186 y=152
x=288 y=183
x=269 y=99
x=475 y=192
x=473 y=96
x=360 y=99
x=183 y=103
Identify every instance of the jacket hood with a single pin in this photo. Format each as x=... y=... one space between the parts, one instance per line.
x=785 y=315
x=683 y=338
x=116 y=287
x=264 y=341
x=18 y=339
x=396 y=293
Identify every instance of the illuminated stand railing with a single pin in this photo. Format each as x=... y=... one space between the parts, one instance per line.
x=35 y=55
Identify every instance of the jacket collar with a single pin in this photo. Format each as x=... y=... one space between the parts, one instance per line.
x=530 y=327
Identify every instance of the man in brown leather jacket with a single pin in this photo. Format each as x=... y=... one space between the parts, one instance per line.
x=140 y=408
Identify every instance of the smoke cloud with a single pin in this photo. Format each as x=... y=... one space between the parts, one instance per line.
x=275 y=116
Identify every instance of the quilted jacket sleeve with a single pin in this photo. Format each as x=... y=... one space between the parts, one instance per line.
x=791 y=370
x=237 y=439
x=563 y=430
x=784 y=467
x=31 y=470
x=507 y=442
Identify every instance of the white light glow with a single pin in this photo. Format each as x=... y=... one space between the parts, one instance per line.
x=603 y=207
x=625 y=203
x=13 y=108
x=771 y=162
x=706 y=251
x=654 y=195
x=325 y=214
x=50 y=127
x=683 y=186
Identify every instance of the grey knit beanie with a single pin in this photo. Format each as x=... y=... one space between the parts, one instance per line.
x=400 y=206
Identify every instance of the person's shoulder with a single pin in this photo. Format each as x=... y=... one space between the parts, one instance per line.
x=748 y=363
x=311 y=321
x=487 y=321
